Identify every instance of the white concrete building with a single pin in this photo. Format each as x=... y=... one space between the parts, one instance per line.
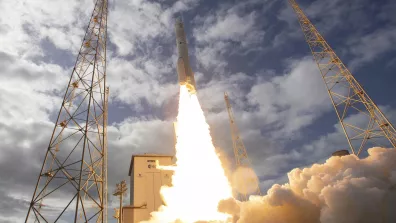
x=145 y=183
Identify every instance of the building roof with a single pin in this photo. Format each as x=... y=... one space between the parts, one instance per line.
x=145 y=155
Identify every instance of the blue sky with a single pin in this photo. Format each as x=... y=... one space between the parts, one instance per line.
x=252 y=49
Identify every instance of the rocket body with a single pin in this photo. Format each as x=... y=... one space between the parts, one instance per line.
x=184 y=71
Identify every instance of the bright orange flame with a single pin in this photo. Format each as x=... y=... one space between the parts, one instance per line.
x=198 y=181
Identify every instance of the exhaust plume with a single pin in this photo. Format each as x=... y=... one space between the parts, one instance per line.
x=199 y=182
x=342 y=190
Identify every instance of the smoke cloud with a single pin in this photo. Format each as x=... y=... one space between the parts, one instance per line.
x=342 y=190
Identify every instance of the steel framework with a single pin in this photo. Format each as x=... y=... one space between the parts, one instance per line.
x=372 y=128
x=241 y=157
x=72 y=184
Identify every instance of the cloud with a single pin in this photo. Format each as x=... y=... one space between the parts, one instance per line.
x=23 y=149
x=32 y=85
x=212 y=93
x=133 y=81
x=141 y=72
x=331 y=16
x=371 y=46
x=229 y=27
x=39 y=40
x=291 y=101
x=343 y=189
x=136 y=136
x=150 y=20
x=335 y=17
x=29 y=22
x=335 y=140
x=213 y=55
x=29 y=95
x=230 y=30
x=28 y=89
x=270 y=113
x=271 y=166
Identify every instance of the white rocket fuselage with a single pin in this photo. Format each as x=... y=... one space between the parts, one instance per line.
x=184 y=71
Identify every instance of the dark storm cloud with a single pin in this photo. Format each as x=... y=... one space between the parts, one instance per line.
x=11 y=206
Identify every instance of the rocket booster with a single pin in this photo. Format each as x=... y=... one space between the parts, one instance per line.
x=184 y=71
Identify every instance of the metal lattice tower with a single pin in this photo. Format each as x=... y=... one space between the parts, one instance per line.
x=241 y=157
x=72 y=184
x=347 y=95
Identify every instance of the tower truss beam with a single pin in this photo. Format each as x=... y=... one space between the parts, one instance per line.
x=370 y=127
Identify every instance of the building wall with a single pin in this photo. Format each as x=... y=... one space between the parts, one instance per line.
x=146 y=181
x=131 y=187
x=127 y=214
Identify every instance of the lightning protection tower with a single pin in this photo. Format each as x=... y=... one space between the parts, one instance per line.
x=72 y=184
x=249 y=183
x=370 y=127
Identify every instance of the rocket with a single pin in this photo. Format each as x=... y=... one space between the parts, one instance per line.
x=184 y=71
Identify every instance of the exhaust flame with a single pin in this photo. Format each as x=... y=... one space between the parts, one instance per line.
x=199 y=181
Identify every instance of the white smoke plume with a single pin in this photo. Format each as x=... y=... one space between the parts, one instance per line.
x=342 y=190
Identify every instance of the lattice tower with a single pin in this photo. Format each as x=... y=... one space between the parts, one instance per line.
x=72 y=184
x=368 y=127
x=250 y=184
